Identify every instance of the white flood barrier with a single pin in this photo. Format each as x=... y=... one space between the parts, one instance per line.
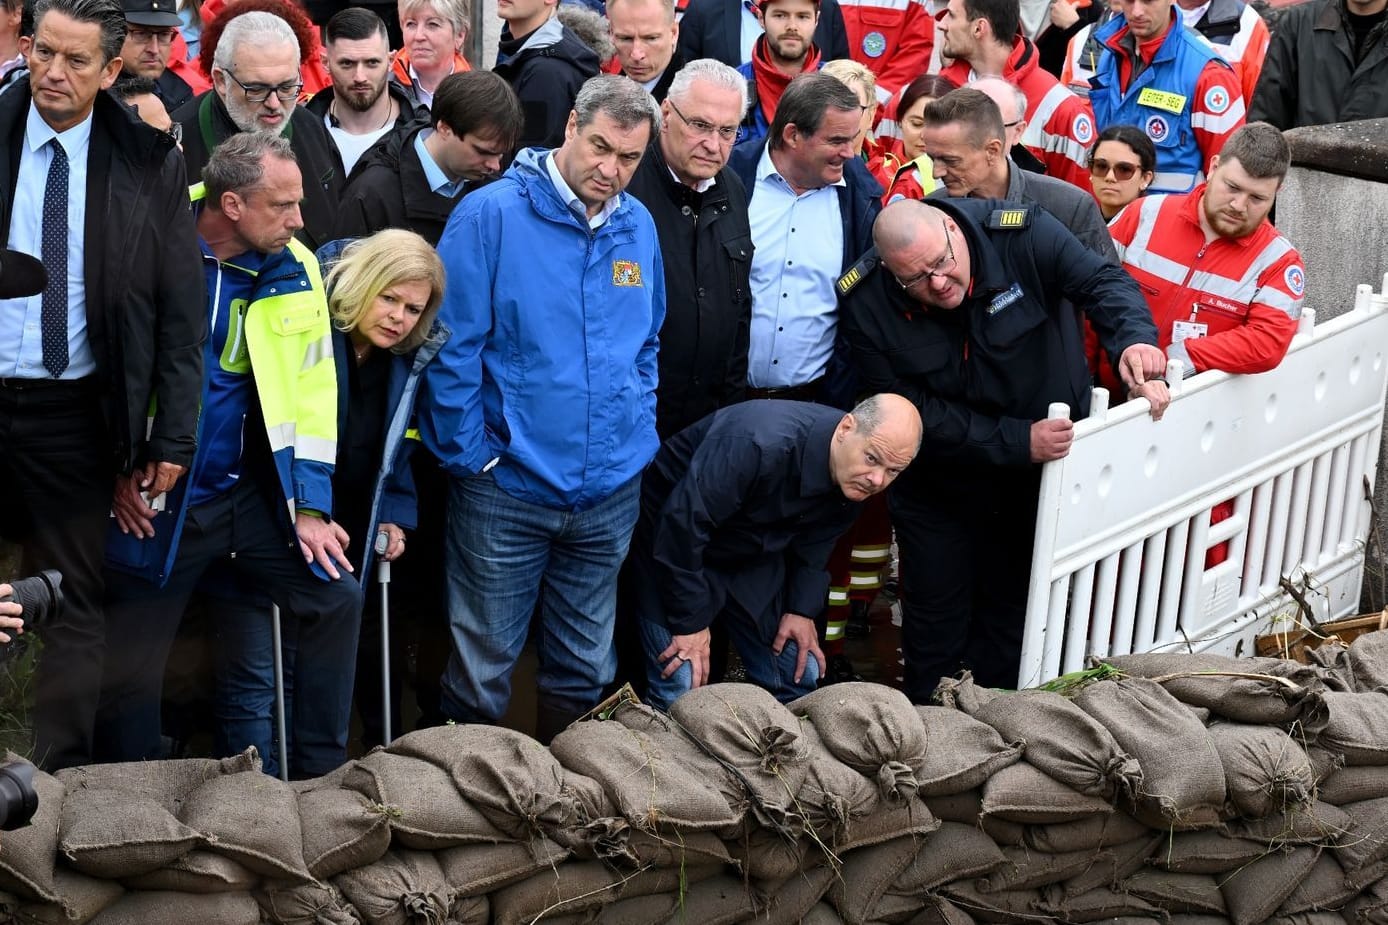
x=1177 y=534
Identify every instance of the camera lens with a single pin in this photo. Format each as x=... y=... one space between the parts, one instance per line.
x=40 y=596
x=18 y=799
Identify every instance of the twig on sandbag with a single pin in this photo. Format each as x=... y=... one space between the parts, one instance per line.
x=1247 y=676
x=617 y=884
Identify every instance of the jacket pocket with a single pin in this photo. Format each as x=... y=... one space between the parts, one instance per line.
x=739 y=254
x=1005 y=325
x=295 y=319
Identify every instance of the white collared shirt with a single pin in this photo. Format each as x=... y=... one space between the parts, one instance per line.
x=571 y=199
x=703 y=186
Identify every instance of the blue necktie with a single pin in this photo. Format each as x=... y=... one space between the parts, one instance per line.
x=53 y=319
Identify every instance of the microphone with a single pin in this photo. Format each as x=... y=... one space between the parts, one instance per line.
x=20 y=275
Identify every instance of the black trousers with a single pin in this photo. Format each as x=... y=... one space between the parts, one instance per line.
x=965 y=564
x=55 y=467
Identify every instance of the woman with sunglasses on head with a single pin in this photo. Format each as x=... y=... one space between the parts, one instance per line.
x=1122 y=164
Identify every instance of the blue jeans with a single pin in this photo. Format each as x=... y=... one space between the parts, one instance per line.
x=765 y=669
x=504 y=556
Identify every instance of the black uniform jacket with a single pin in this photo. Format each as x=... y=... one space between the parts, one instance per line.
x=983 y=372
x=707 y=248
x=146 y=300
x=740 y=506
x=389 y=189
x=207 y=124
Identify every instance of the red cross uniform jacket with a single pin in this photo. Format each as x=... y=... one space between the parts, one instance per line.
x=1230 y=304
x=892 y=38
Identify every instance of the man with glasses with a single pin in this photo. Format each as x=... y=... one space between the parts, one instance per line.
x=964 y=134
x=255 y=88
x=150 y=27
x=960 y=308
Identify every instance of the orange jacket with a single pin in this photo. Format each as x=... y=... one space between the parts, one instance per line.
x=400 y=66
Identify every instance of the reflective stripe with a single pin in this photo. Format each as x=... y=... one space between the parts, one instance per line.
x=412 y=433
x=1220 y=124
x=317 y=352
x=1166 y=182
x=281 y=436
x=838 y=597
x=1276 y=298
x=888 y=128
x=864 y=581
x=871 y=553
x=834 y=631
x=884 y=96
x=1157 y=265
x=316 y=449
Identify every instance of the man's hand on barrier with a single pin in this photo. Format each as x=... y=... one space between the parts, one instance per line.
x=1141 y=362
x=1051 y=439
x=801 y=631
x=1156 y=393
x=323 y=541
x=9 y=614
x=693 y=649
x=133 y=514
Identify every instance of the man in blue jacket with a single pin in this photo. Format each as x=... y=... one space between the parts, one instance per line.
x=542 y=406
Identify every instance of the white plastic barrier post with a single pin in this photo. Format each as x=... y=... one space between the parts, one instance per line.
x=1152 y=535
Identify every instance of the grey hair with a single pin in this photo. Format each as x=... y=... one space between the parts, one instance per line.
x=624 y=100
x=869 y=414
x=108 y=15
x=254 y=26
x=712 y=71
x=590 y=26
x=457 y=12
x=238 y=164
x=1019 y=99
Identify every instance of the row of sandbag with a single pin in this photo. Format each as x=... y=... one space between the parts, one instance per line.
x=850 y=805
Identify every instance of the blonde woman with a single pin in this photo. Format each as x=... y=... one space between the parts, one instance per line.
x=861 y=81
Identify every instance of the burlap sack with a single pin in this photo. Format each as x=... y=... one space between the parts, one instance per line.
x=80 y=898
x=937 y=911
x=198 y=872
x=1221 y=684
x=833 y=796
x=109 y=834
x=1016 y=907
x=473 y=870
x=471 y=910
x=750 y=731
x=426 y=812
x=306 y=904
x=1354 y=785
x=1064 y=742
x=1323 y=762
x=1209 y=852
x=720 y=900
x=975 y=752
x=1370 y=907
x=1098 y=905
x=646 y=773
x=1265 y=770
x=1366 y=842
x=1196 y=894
x=618 y=842
x=866 y=875
x=1318 y=824
x=1022 y=793
x=873 y=729
x=576 y=887
x=962 y=694
x=1368 y=660
x=1253 y=893
x=26 y=854
x=787 y=902
x=765 y=854
x=589 y=799
x=1088 y=834
x=963 y=807
x=899 y=907
x=1308 y=918
x=342 y=830
x=1114 y=865
x=657 y=909
x=1005 y=833
x=1357 y=728
x=509 y=777
x=181 y=909
x=251 y=818
x=167 y=783
x=1182 y=777
x=1326 y=887
x=402 y=888
x=891 y=819
x=1025 y=868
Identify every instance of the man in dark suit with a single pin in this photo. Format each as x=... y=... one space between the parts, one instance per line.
x=726 y=29
x=101 y=199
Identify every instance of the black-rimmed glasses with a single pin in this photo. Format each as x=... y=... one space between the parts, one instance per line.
x=259 y=93
x=941 y=267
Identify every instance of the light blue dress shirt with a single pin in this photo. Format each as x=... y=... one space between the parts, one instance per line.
x=438 y=180
x=797 y=257
x=575 y=204
x=21 y=341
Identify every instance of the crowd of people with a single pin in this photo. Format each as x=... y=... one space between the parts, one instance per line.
x=642 y=346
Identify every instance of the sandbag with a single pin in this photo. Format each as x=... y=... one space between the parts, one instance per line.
x=1023 y=793
x=1253 y=893
x=866 y=875
x=1366 y=842
x=962 y=694
x=26 y=858
x=342 y=830
x=1354 y=785
x=1098 y=905
x=1025 y=868
x=891 y=819
x=1357 y=727
x=576 y=887
x=80 y=898
x=963 y=807
x=834 y=797
x=1370 y=907
x=1197 y=894
x=470 y=910
x=109 y=834
x=646 y=773
x=822 y=914
x=509 y=777
x=251 y=818
x=1265 y=770
x=1091 y=833
x=787 y=902
x=873 y=729
x=1318 y=824
x=1064 y=742
x=474 y=870
x=1286 y=693
x=618 y=842
x=1005 y=833
x=198 y=872
x=1326 y=887
x=167 y=783
x=1182 y=783
x=1368 y=661
x=306 y=904
x=1114 y=865
x=656 y=909
x=720 y=900
x=424 y=808
x=940 y=911
x=975 y=752
x=1208 y=852
x=1012 y=907
x=402 y=888
x=181 y=909
x=765 y=854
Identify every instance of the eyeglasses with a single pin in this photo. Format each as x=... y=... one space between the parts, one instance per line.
x=1012 y=123
x=1099 y=167
x=704 y=129
x=259 y=93
x=142 y=36
x=940 y=268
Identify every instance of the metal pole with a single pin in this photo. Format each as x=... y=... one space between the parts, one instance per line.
x=383 y=576
x=277 y=642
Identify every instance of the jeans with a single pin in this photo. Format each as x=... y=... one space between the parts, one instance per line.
x=244 y=528
x=505 y=556
x=765 y=669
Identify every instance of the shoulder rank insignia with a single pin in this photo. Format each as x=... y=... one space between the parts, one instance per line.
x=858 y=272
x=1009 y=219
